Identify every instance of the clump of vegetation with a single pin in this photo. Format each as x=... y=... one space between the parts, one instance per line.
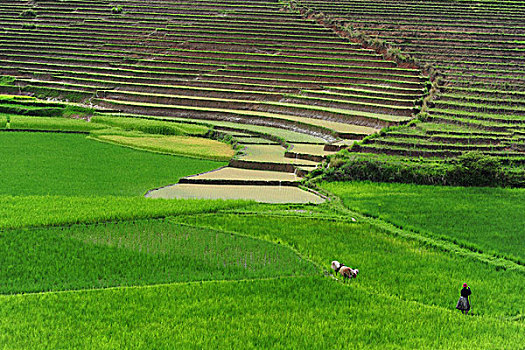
x=380 y=45
x=78 y=112
x=116 y=9
x=62 y=94
x=151 y=126
x=474 y=169
x=28 y=14
x=4 y=121
x=34 y=110
x=28 y=26
x=7 y=80
x=223 y=137
x=469 y=169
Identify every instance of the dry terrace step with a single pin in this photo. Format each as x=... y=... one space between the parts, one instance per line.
x=147 y=58
x=214 y=92
x=223 y=32
x=265 y=194
x=265 y=131
x=333 y=76
x=358 y=74
x=346 y=111
x=337 y=124
x=236 y=176
x=312 y=149
x=284 y=70
x=271 y=154
x=201 y=86
x=512 y=156
x=120 y=60
x=454 y=139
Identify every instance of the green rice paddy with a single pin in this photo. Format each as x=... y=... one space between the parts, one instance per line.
x=194 y=147
x=135 y=253
x=88 y=260
x=488 y=220
x=284 y=313
x=64 y=164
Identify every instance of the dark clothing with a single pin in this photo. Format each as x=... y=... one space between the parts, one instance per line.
x=465 y=292
x=463 y=302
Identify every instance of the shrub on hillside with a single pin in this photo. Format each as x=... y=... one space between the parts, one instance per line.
x=117 y=9
x=470 y=169
x=377 y=170
x=28 y=14
x=28 y=26
x=7 y=80
x=474 y=169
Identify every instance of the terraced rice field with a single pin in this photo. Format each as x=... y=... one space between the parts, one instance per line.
x=236 y=62
x=236 y=102
x=473 y=50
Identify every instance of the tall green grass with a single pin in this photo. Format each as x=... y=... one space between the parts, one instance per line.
x=135 y=253
x=286 y=313
x=490 y=220
x=60 y=210
x=151 y=126
x=387 y=265
x=51 y=123
x=60 y=164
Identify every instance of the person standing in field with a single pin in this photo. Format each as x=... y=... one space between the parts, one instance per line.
x=464 y=302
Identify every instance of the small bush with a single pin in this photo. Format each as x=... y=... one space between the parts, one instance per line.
x=470 y=169
x=7 y=80
x=116 y=9
x=3 y=122
x=28 y=26
x=77 y=112
x=475 y=169
x=423 y=116
x=28 y=14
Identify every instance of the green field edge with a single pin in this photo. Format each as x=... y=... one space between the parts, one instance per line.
x=95 y=138
x=438 y=243
x=323 y=272
x=318 y=267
